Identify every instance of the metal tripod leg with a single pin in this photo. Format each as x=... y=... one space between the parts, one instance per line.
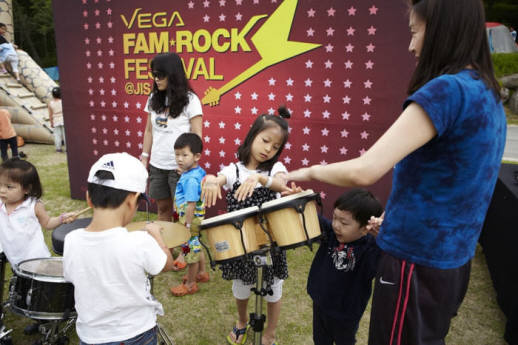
x=163 y=337
x=257 y=319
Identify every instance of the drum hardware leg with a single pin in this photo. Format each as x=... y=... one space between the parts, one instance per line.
x=262 y=220
x=212 y=262
x=257 y=319
x=163 y=337
x=238 y=224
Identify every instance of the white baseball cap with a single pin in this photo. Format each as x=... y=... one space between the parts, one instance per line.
x=128 y=172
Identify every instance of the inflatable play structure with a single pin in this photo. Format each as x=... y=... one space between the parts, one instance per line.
x=500 y=39
x=26 y=99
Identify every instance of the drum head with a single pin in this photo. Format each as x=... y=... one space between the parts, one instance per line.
x=45 y=269
x=173 y=234
x=227 y=218
x=286 y=200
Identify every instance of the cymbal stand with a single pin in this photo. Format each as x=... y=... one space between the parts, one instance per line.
x=257 y=319
x=163 y=337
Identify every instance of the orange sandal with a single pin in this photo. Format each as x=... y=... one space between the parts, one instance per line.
x=179 y=265
x=182 y=290
x=200 y=278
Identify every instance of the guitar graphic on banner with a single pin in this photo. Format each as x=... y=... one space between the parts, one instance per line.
x=271 y=41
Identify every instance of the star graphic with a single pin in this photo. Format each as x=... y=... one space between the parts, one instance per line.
x=304 y=161
x=206 y=3
x=351 y=11
x=311 y=13
x=346 y=99
x=370 y=48
x=287 y=160
x=254 y=96
x=238 y=16
x=349 y=48
x=87 y=40
x=325 y=132
x=237 y=109
x=305 y=147
x=347 y=84
x=309 y=64
x=308 y=82
x=271 y=82
x=326 y=114
x=328 y=64
x=254 y=110
x=366 y=116
x=326 y=99
x=239 y=2
x=306 y=130
x=237 y=125
x=237 y=141
x=364 y=135
x=367 y=100
x=206 y=139
x=207 y=152
x=191 y=4
x=206 y=124
x=237 y=95
x=221 y=140
x=271 y=111
x=329 y=48
x=222 y=17
x=307 y=113
x=289 y=97
x=206 y=18
x=349 y=64
x=344 y=133
x=288 y=145
x=331 y=12
x=310 y=32
x=323 y=149
x=307 y=98
x=373 y=10
x=371 y=30
x=367 y=84
x=289 y=82
x=221 y=124
x=222 y=3
x=330 y=31
x=343 y=150
x=222 y=153
x=350 y=31
x=327 y=82
x=369 y=64
x=271 y=96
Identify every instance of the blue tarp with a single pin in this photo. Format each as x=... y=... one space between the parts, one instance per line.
x=53 y=72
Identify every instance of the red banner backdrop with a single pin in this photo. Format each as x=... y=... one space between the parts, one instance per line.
x=340 y=67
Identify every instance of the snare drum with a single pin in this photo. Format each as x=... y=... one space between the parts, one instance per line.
x=59 y=233
x=293 y=219
x=233 y=234
x=39 y=291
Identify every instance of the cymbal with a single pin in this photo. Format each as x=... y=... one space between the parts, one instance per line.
x=174 y=234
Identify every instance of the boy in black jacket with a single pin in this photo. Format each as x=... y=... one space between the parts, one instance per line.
x=340 y=278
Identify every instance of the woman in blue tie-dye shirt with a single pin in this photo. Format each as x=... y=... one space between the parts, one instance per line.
x=446 y=149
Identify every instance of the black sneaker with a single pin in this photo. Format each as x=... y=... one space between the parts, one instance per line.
x=31 y=329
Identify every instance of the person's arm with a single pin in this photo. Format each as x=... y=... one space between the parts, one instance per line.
x=196 y=125
x=154 y=230
x=48 y=222
x=411 y=130
x=211 y=189
x=148 y=140
x=51 y=116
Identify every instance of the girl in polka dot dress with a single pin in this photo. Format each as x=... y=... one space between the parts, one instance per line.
x=256 y=178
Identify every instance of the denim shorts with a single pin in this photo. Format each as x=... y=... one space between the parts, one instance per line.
x=162 y=183
x=147 y=338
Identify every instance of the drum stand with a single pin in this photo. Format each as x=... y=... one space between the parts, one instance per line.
x=163 y=337
x=5 y=338
x=52 y=335
x=257 y=319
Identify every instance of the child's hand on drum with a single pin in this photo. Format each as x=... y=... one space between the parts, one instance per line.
x=210 y=190
x=246 y=189
x=373 y=226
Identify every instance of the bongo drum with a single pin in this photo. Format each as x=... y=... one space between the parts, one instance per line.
x=174 y=234
x=293 y=219
x=39 y=291
x=233 y=234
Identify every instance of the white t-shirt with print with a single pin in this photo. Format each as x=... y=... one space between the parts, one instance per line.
x=21 y=237
x=230 y=173
x=111 y=288
x=166 y=130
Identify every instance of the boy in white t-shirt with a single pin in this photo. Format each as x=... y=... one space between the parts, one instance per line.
x=108 y=265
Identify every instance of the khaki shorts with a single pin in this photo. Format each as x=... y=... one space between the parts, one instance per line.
x=162 y=183
x=193 y=257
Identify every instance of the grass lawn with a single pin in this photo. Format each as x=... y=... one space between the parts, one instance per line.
x=206 y=317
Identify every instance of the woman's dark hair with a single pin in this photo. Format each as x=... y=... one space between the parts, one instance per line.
x=103 y=196
x=455 y=37
x=176 y=96
x=25 y=174
x=361 y=203
x=263 y=122
x=56 y=92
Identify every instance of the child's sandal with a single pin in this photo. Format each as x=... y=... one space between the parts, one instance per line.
x=237 y=333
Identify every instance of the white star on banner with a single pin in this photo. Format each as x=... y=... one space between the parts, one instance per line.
x=327 y=83
x=325 y=132
x=207 y=165
x=206 y=139
x=237 y=125
x=288 y=146
x=206 y=124
x=307 y=113
x=289 y=97
x=271 y=111
x=254 y=96
x=308 y=82
x=237 y=141
x=271 y=96
x=304 y=161
x=287 y=160
x=326 y=114
x=289 y=82
x=309 y=64
x=237 y=109
x=343 y=150
x=305 y=147
x=271 y=82
x=344 y=133
x=222 y=153
x=221 y=140
x=307 y=98
x=306 y=130
x=254 y=110
x=221 y=124
x=323 y=149
x=207 y=152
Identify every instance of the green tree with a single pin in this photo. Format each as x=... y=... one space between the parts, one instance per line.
x=34 y=30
